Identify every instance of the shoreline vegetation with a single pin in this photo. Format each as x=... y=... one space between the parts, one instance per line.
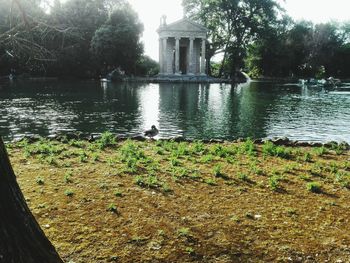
x=135 y=200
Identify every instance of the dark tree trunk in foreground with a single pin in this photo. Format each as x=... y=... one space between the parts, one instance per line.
x=21 y=238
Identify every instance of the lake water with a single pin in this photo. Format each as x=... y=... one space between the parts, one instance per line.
x=197 y=111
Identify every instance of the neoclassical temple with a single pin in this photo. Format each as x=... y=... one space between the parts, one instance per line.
x=182 y=48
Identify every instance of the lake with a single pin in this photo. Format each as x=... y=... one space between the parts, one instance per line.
x=196 y=111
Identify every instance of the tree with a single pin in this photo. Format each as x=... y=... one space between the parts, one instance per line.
x=233 y=25
x=117 y=42
x=21 y=239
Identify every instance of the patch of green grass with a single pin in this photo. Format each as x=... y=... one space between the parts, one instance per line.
x=198 y=147
x=320 y=151
x=248 y=148
x=189 y=250
x=219 y=150
x=69 y=192
x=314 y=187
x=307 y=157
x=112 y=208
x=243 y=177
x=217 y=171
x=118 y=193
x=274 y=182
x=40 y=181
x=270 y=149
x=68 y=177
x=175 y=162
x=183 y=232
x=210 y=181
x=107 y=139
x=206 y=158
x=291 y=212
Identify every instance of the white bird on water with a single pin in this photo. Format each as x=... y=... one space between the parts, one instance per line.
x=152 y=132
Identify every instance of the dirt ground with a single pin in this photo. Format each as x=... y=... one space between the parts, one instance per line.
x=163 y=201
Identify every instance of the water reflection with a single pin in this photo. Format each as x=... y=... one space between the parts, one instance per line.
x=200 y=111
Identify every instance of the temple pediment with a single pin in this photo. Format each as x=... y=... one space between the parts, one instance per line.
x=184 y=25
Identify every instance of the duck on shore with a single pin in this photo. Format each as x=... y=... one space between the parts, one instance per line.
x=152 y=132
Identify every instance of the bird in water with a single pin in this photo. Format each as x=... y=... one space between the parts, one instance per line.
x=152 y=132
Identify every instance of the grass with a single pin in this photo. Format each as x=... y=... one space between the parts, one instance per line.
x=314 y=187
x=186 y=202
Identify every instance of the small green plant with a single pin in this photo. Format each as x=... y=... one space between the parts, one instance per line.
x=39 y=180
x=243 y=177
x=83 y=157
x=320 y=151
x=307 y=157
x=107 y=139
x=291 y=211
x=274 y=182
x=69 y=192
x=112 y=208
x=305 y=177
x=118 y=193
x=217 y=171
x=68 y=177
x=235 y=218
x=271 y=149
x=314 y=187
x=189 y=250
x=183 y=232
x=139 y=180
x=166 y=188
x=206 y=158
x=198 y=147
x=174 y=161
x=210 y=181
x=95 y=157
x=248 y=148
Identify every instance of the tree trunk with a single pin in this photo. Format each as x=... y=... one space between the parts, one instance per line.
x=21 y=238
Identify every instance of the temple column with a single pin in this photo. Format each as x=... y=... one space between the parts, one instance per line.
x=165 y=57
x=177 y=55
x=161 y=69
x=191 y=58
x=203 y=57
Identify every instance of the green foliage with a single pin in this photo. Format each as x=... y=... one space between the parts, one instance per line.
x=217 y=171
x=227 y=19
x=107 y=139
x=39 y=180
x=69 y=192
x=112 y=208
x=274 y=182
x=183 y=232
x=145 y=66
x=117 y=42
x=277 y=151
x=314 y=187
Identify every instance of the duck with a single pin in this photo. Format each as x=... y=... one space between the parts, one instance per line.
x=152 y=132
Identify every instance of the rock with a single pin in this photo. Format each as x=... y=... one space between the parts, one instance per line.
x=138 y=138
x=330 y=144
x=258 y=141
x=316 y=144
x=179 y=139
x=302 y=144
x=281 y=141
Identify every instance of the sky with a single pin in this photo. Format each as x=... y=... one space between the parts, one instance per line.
x=150 y=11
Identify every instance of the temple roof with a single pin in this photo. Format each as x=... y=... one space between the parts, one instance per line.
x=182 y=28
